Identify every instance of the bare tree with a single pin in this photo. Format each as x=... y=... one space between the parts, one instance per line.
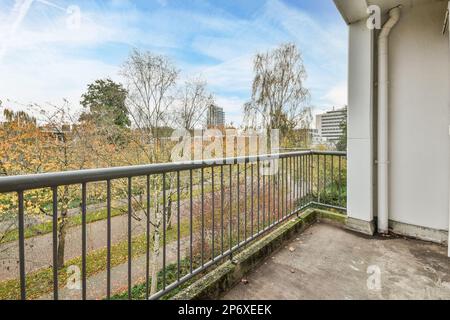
x=279 y=97
x=151 y=81
x=194 y=101
x=151 y=84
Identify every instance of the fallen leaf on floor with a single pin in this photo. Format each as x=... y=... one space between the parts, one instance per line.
x=292 y=271
x=291 y=249
x=244 y=281
x=354 y=268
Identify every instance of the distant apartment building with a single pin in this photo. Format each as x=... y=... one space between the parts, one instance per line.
x=329 y=124
x=215 y=117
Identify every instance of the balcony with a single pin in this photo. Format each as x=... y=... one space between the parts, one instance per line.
x=330 y=263
x=258 y=227
x=107 y=233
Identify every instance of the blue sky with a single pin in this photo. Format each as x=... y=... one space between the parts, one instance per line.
x=45 y=59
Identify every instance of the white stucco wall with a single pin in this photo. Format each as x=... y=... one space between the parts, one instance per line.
x=419 y=115
x=360 y=114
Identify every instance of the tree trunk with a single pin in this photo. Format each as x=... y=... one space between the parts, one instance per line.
x=155 y=256
x=169 y=213
x=62 y=228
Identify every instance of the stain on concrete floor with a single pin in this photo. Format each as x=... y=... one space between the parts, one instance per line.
x=331 y=263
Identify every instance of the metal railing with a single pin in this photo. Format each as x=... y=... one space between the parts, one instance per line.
x=209 y=209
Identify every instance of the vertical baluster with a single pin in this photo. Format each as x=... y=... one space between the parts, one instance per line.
x=245 y=201
x=147 y=245
x=278 y=190
x=286 y=187
x=318 y=178
x=252 y=196
x=274 y=205
x=332 y=179
x=22 y=246
x=191 y=207
x=269 y=192
x=83 y=241
x=213 y=254
x=222 y=200
x=55 y=242
x=324 y=178
x=340 y=181
x=304 y=178
x=308 y=176
x=282 y=188
x=238 y=206
x=258 y=192
x=264 y=197
x=178 y=227
x=311 y=165
x=108 y=239
x=130 y=243
x=164 y=230
x=202 y=177
x=231 y=208
x=308 y=179
x=296 y=179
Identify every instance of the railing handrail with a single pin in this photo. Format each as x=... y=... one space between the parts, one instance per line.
x=63 y=178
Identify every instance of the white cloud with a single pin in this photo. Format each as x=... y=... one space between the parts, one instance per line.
x=233 y=76
x=323 y=51
x=337 y=95
x=46 y=61
x=232 y=106
x=50 y=77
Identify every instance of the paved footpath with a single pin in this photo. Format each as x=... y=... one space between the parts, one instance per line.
x=38 y=249
x=96 y=284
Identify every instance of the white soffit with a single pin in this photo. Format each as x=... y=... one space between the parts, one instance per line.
x=352 y=10
x=356 y=10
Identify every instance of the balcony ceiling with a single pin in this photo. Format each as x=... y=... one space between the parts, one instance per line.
x=355 y=10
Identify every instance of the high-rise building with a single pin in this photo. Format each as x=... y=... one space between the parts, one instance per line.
x=329 y=124
x=215 y=117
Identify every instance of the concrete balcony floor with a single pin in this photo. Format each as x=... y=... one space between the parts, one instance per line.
x=328 y=262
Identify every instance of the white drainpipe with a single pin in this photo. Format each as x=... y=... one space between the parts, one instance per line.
x=383 y=121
